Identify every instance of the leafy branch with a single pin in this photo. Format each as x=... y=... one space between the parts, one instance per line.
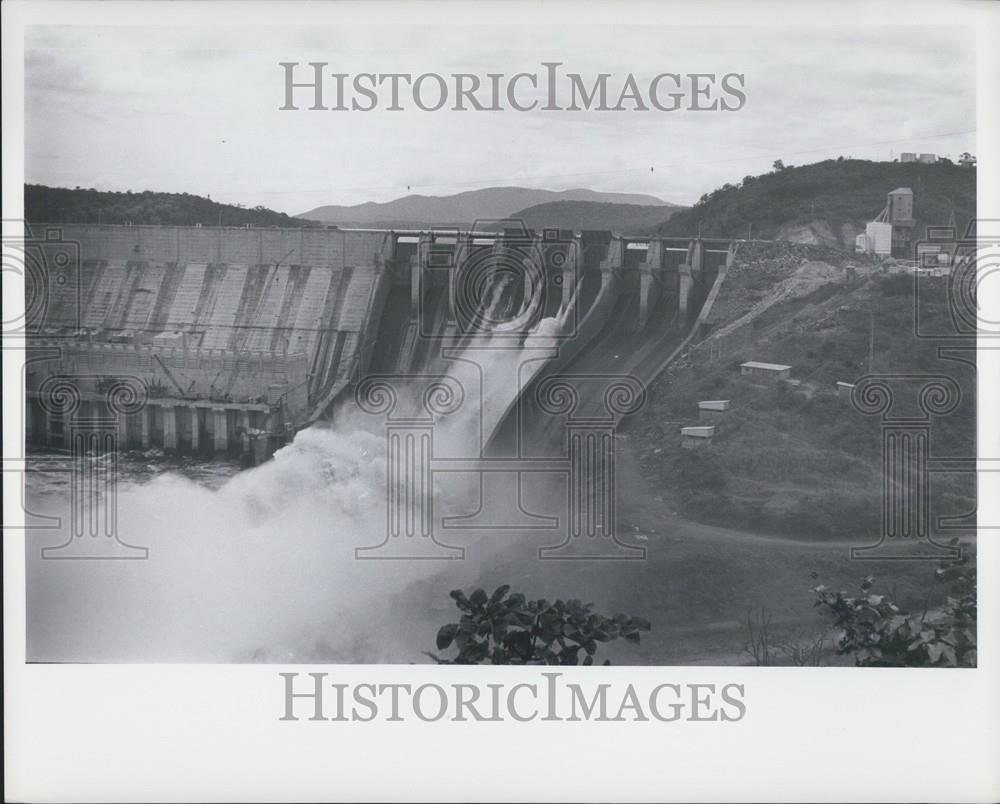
x=506 y=628
x=879 y=633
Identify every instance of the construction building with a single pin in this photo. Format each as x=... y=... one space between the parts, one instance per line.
x=694 y=437
x=891 y=233
x=711 y=410
x=768 y=371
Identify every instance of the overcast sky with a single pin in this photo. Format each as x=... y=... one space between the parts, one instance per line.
x=196 y=110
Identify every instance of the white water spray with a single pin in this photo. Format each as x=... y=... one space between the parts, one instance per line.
x=263 y=568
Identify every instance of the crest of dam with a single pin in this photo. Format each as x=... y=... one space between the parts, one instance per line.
x=229 y=330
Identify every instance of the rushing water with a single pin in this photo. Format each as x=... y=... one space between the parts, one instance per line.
x=257 y=565
x=49 y=475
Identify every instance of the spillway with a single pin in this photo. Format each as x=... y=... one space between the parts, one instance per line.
x=227 y=331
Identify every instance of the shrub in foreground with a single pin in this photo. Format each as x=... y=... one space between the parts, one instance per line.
x=506 y=628
x=879 y=633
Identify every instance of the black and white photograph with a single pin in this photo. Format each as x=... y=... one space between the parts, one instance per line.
x=499 y=347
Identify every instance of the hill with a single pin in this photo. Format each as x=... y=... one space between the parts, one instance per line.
x=577 y=215
x=800 y=461
x=827 y=202
x=464 y=208
x=62 y=205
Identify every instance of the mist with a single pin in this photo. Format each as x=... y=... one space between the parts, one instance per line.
x=263 y=568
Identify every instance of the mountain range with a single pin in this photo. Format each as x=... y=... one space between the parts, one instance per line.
x=486 y=205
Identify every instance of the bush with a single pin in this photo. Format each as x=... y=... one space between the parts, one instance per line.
x=878 y=633
x=506 y=628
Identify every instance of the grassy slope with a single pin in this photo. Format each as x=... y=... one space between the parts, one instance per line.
x=62 y=205
x=837 y=193
x=803 y=463
x=695 y=585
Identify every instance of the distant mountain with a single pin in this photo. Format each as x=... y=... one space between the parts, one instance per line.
x=577 y=215
x=491 y=203
x=62 y=205
x=828 y=202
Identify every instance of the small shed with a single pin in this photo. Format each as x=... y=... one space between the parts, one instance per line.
x=710 y=410
x=693 y=437
x=769 y=371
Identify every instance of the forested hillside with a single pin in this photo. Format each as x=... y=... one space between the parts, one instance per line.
x=63 y=205
x=827 y=202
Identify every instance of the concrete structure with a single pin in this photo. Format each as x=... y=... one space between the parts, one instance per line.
x=907 y=157
x=266 y=392
x=711 y=410
x=891 y=232
x=900 y=215
x=225 y=322
x=877 y=239
x=694 y=437
x=236 y=329
x=900 y=205
x=768 y=371
x=936 y=259
x=927 y=159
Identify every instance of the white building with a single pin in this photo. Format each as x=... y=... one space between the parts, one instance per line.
x=710 y=410
x=877 y=239
x=693 y=437
x=770 y=371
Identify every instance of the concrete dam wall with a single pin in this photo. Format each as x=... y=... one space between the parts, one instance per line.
x=230 y=331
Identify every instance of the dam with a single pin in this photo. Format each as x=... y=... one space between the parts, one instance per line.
x=235 y=338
